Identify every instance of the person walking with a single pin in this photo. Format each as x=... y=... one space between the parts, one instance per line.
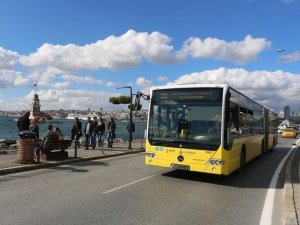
x=101 y=131
x=111 y=128
x=88 y=132
x=76 y=131
x=94 y=132
x=24 y=122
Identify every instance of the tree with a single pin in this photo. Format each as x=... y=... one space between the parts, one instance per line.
x=123 y=99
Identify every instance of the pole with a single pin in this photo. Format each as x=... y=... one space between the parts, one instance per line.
x=130 y=119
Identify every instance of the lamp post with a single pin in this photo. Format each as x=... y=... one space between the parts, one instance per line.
x=130 y=116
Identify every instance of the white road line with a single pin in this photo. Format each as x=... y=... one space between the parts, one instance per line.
x=266 y=216
x=126 y=185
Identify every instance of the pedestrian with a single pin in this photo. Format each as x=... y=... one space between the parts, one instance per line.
x=111 y=128
x=24 y=122
x=35 y=127
x=130 y=129
x=94 y=132
x=101 y=131
x=76 y=131
x=88 y=133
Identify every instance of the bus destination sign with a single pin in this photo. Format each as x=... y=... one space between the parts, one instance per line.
x=189 y=94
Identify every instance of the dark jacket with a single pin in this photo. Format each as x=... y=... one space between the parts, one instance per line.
x=76 y=130
x=101 y=128
x=23 y=123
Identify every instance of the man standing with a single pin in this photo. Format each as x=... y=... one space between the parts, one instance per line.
x=94 y=132
x=24 y=122
x=76 y=131
x=88 y=132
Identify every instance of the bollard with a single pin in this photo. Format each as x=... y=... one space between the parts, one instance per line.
x=75 y=148
x=124 y=144
x=38 y=151
x=26 y=151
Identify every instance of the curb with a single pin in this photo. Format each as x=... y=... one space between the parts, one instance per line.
x=30 y=167
x=289 y=208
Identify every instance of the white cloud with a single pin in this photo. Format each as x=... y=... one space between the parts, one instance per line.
x=132 y=48
x=82 y=79
x=61 y=85
x=289 y=58
x=236 y=51
x=11 y=78
x=271 y=88
x=7 y=58
x=113 y=52
x=70 y=99
x=162 y=78
x=143 y=83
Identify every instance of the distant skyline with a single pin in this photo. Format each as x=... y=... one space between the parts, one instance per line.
x=80 y=52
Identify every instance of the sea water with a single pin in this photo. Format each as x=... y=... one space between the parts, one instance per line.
x=9 y=129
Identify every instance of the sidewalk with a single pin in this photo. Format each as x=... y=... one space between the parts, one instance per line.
x=291 y=192
x=8 y=162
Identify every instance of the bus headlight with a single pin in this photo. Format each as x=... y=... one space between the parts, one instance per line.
x=216 y=162
x=151 y=154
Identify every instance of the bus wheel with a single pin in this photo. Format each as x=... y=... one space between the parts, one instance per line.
x=242 y=160
x=262 y=149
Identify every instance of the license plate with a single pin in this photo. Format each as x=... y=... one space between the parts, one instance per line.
x=180 y=167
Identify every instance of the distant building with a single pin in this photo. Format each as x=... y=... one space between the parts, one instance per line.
x=287 y=112
x=36 y=110
x=281 y=114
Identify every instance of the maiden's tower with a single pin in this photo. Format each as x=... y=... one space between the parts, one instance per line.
x=36 y=109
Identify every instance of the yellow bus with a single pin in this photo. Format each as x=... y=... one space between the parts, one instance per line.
x=209 y=128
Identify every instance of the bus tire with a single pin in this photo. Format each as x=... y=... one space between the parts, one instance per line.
x=242 y=159
x=262 y=149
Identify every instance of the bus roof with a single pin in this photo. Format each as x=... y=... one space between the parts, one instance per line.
x=224 y=86
x=190 y=86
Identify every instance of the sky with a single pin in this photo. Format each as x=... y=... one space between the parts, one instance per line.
x=81 y=52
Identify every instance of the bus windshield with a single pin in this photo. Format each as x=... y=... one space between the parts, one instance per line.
x=186 y=122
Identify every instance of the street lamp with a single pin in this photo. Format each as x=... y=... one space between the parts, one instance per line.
x=130 y=116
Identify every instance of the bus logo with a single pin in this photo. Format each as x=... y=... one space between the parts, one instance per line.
x=180 y=158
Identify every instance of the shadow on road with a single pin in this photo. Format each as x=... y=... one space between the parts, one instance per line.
x=82 y=164
x=257 y=174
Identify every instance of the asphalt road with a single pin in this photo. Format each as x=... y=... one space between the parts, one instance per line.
x=123 y=190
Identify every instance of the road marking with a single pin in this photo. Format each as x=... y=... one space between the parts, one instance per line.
x=266 y=216
x=126 y=185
